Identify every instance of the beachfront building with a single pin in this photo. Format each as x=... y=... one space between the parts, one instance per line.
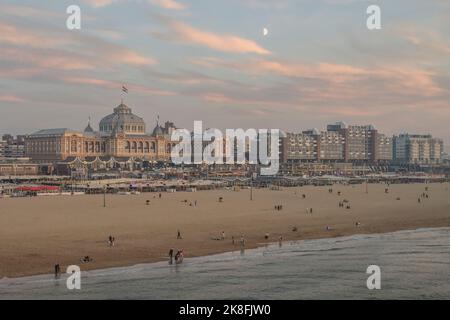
x=2 y=149
x=12 y=147
x=15 y=167
x=418 y=149
x=300 y=147
x=340 y=143
x=121 y=136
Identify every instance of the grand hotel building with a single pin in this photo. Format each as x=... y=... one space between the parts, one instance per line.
x=122 y=138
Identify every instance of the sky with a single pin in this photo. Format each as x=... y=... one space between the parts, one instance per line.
x=209 y=60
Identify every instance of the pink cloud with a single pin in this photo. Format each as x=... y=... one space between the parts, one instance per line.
x=185 y=33
x=117 y=86
x=400 y=79
x=129 y=57
x=99 y=3
x=169 y=4
x=11 y=98
x=18 y=36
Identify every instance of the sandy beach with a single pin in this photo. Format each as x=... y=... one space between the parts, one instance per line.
x=36 y=233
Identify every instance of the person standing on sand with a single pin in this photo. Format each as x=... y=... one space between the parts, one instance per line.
x=179 y=235
x=57 y=271
x=242 y=241
x=223 y=235
x=171 y=256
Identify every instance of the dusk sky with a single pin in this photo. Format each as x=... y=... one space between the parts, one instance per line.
x=209 y=60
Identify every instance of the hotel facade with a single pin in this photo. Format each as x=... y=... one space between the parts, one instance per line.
x=413 y=149
x=339 y=143
x=121 y=138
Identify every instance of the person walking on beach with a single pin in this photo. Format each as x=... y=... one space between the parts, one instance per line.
x=57 y=271
x=179 y=235
x=171 y=256
x=223 y=235
x=242 y=241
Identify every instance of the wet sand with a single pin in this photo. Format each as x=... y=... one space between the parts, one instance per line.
x=36 y=233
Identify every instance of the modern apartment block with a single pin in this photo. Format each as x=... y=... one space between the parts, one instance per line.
x=12 y=147
x=339 y=143
x=418 y=149
x=2 y=149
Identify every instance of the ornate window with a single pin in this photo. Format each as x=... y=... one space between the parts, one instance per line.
x=73 y=146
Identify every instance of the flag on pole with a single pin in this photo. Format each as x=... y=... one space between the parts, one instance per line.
x=124 y=89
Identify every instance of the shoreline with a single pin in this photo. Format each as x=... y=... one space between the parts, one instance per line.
x=37 y=233
x=259 y=247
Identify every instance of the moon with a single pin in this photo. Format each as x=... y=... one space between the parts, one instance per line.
x=265 y=32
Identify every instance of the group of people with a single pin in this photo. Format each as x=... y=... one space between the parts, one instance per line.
x=278 y=207
x=179 y=256
x=86 y=259
x=344 y=204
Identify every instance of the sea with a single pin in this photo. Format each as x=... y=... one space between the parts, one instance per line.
x=412 y=264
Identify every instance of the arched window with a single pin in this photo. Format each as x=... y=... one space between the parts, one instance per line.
x=73 y=146
x=86 y=147
x=153 y=147
x=97 y=147
x=147 y=147
x=141 y=147
x=134 y=147
x=128 y=146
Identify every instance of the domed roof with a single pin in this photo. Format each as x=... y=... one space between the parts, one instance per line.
x=89 y=129
x=121 y=119
x=158 y=131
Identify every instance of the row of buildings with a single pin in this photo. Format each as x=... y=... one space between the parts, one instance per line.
x=122 y=142
x=12 y=147
x=360 y=144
